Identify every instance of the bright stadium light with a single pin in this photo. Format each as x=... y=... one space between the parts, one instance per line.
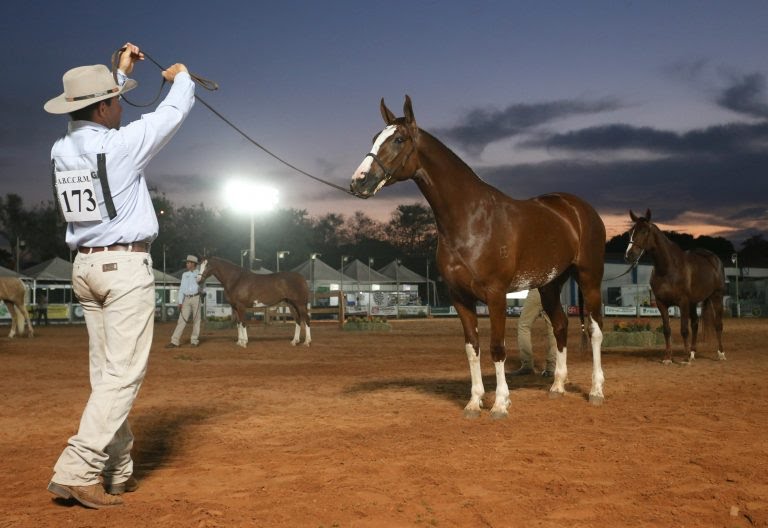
x=250 y=198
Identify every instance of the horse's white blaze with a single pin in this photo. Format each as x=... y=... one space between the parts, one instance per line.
x=502 y=390
x=597 y=369
x=365 y=166
x=477 y=379
x=203 y=265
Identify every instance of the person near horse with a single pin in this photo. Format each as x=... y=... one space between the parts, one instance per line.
x=532 y=310
x=42 y=309
x=189 y=305
x=98 y=173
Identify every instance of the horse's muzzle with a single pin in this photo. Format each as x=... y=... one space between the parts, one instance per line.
x=364 y=186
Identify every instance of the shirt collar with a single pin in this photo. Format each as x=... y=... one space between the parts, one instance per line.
x=75 y=126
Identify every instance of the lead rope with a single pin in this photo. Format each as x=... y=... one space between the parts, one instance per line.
x=212 y=86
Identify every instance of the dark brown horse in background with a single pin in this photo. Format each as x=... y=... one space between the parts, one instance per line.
x=244 y=289
x=490 y=244
x=12 y=292
x=680 y=278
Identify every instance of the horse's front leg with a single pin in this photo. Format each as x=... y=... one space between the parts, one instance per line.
x=242 y=331
x=664 y=310
x=468 y=318
x=497 y=309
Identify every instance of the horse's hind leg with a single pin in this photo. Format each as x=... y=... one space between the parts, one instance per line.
x=694 y=330
x=716 y=305
x=14 y=318
x=550 y=301
x=25 y=318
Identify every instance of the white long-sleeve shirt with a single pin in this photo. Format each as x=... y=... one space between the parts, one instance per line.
x=128 y=151
x=188 y=284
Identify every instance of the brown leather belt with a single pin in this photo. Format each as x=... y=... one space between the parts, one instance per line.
x=136 y=247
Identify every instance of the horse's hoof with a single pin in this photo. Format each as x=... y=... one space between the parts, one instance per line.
x=294 y=343
x=472 y=414
x=721 y=356
x=596 y=400
x=241 y=345
x=555 y=395
x=666 y=362
x=499 y=415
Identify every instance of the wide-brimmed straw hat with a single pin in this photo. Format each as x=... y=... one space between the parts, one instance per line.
x=86 y=85
x=191 y=258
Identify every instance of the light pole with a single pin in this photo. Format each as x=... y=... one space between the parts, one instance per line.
x=341 y=277
x=397 y=288
x=735 y=260
x=427 y=286
x=312 y=258
x=370 y=286
x=251 y=198
x=162 y=304
x=280 y=255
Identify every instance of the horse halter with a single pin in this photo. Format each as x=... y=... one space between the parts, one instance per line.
x=388 y=173
x=633 y=243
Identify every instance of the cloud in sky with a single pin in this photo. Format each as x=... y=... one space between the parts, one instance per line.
x=746 y=95
x=481 y=126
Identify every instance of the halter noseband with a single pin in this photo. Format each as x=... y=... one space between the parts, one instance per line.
x=388 y=173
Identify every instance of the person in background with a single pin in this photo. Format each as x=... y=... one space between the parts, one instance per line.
x=532 y=310
x=42 y=309
x=189 y=305
x=101 y=191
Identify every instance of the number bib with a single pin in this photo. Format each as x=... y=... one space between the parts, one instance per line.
x=76 y=195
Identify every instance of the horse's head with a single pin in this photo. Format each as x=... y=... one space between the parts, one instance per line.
x=205 y=270
x=640 y=236
x=393 y=157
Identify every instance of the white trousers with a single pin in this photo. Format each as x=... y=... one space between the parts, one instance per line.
x=531 y=311
x=190 y=313
x=117 y=293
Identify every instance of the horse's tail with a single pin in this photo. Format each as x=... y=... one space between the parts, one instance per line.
x=584 y=337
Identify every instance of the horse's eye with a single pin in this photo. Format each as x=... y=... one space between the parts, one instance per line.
x=399 y=139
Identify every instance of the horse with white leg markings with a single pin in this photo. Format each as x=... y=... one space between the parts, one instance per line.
x=490 y=244
x=13 y=292
x=244 y=289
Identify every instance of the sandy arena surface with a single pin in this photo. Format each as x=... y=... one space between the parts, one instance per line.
x=366 y=430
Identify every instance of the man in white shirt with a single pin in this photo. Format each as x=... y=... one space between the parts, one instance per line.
x=98 y=175
x=189 y=305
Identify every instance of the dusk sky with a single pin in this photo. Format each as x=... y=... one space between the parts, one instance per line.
x=628 y=104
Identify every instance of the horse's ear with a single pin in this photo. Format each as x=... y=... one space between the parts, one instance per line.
x=410 y=120
x=648 y=214
x=386 y=113
x=633 y=216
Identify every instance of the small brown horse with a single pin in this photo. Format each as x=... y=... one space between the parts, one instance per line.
x=490 y=244
x=12 y=292
x=680 y=278
x=244 y=289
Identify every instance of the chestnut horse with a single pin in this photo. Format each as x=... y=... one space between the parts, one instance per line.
x=12 y=292
x=490 y=244
x=244 y=289
x=680 y=278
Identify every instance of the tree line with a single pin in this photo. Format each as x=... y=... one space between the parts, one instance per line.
x=409 y=235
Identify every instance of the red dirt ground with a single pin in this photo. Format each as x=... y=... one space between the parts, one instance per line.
x=366 y=430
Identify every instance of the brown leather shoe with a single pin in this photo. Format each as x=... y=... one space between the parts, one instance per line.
x=129 y=486
x=92 y=496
